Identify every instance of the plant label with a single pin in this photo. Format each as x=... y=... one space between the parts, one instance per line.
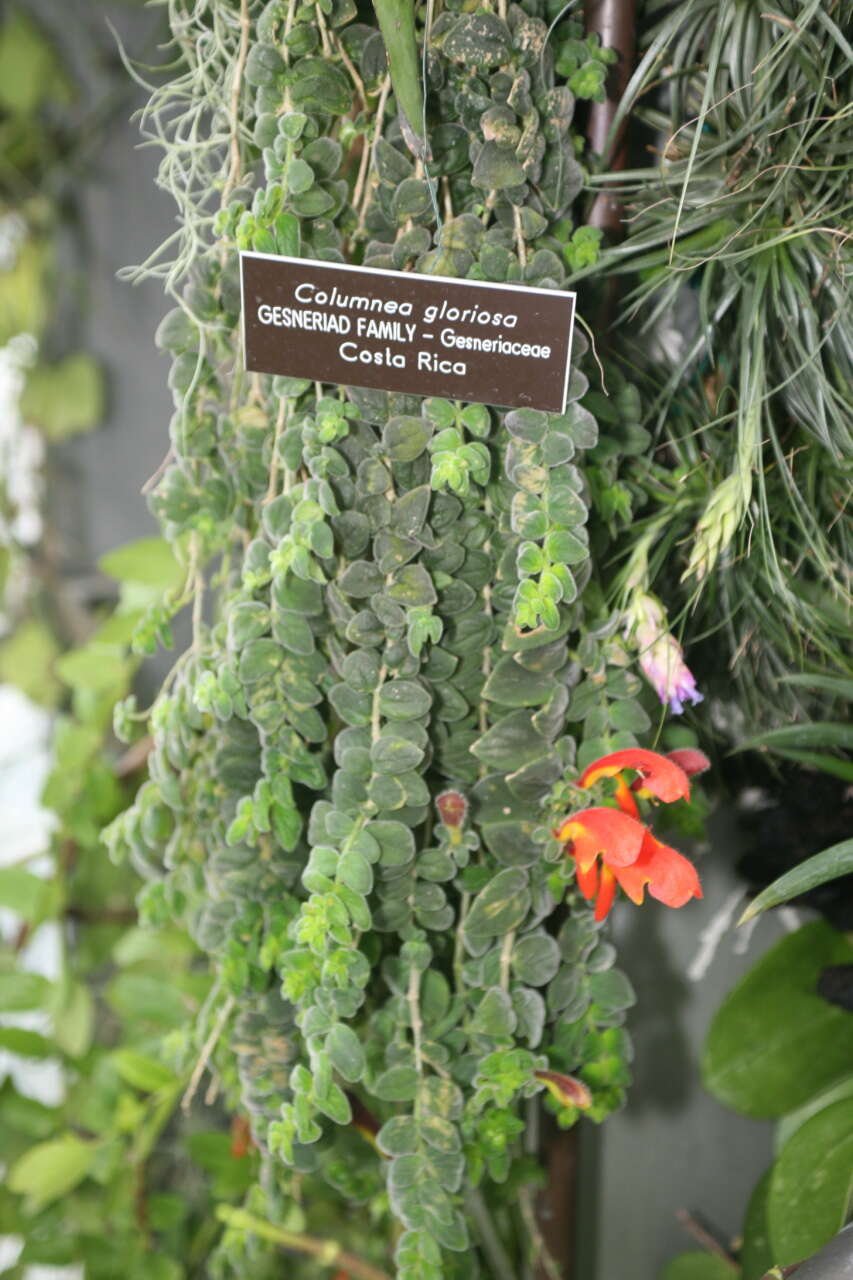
x=498 y=344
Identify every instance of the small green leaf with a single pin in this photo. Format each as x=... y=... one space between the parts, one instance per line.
x=354 y=871
x=393 y=754
x=21 y=991
x=494 y=1015
x=345 y=1052
x=397 y=1084
x=535 y=959
x=65 y=398
x=50 y=1169
x=500 y=906
x=404 y=700
x=147 y=561
x=141 y=1071
x=26 y=1044
x=611 y=990
x=30 y=897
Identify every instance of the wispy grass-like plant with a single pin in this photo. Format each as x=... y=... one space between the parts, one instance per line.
x=748 y=210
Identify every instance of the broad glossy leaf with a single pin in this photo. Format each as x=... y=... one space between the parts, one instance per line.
x=756 y=1258
x=809 y=1196
x=698 y=1266
x=774 y=1042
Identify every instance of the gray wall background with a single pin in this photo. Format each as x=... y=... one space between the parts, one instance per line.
x=673 y=1146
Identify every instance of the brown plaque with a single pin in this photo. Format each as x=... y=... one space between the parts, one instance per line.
x=394 y=331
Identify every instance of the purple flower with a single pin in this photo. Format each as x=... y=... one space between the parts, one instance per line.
x=661 y=657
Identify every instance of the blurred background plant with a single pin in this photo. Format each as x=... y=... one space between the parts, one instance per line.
x=89 y=1160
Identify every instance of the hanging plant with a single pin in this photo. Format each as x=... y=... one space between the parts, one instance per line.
x=402 y=666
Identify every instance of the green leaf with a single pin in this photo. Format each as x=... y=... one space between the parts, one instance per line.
x=26 y=661
x=74 y=1023
x=50 y=1169
x=513 y=685
x=30 y=897
x=535 y=959
x=412 y=587
x=794 y=1120
x=149 y=562
x=397 y=1084
x=64 y=398
x=698 y=1266
x=840 y=686
x=398 y=1136
x=829 y=864
x=393 y=754
x=141 y=1071
x=497 y=167
x=319 y=85
x=756 y=1258
x=360 y=579
x=500 y=906
x=405 y=439
x=511 y=743
x=96 y=668
x=345 y=1052
x=22 y=991
x=404 y=700
x=611 y=991
x=494 y=1015
x=440 y=1133
x=354 y=871
x=300 y=176
x=809 y=1195
x=816 y=733
x=774 y=1042
x=479 y=40
x=396 y=842
x=26 y=1044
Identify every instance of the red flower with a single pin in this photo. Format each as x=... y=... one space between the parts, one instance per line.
x=568 y=1090
x=660 y=776
x=689 y=759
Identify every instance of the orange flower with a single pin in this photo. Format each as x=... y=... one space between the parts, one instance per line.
x=671 y=877
x=612 y=847
x=660 y=776
x=630 y=856
x=616 y=838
